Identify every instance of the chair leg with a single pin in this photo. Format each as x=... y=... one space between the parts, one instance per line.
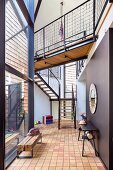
x=32 y=153
x=79 y=135
x=83 y=147
x=96 y=153
x=18 y=154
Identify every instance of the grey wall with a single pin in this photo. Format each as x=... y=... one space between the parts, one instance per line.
x=111 y=100
x=98 y=73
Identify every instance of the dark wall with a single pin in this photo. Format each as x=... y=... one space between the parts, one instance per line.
x=98 y=73
x=111 y=100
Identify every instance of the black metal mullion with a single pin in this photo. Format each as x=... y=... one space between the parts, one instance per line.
x=37 y=8
x=17 y=73
x=31 y=68
x=94 y=8
x=18 y=15
x=2 y=85
x=25 y=11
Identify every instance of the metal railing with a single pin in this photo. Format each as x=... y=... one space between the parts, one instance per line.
x=79 y=66
x=75 y=26
x=53 y=82
x=74 y=107
x=15 y=104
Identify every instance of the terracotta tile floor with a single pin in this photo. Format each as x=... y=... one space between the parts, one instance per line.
x=60 y=150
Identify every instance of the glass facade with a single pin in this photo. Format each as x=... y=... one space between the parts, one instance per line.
x=16 y=88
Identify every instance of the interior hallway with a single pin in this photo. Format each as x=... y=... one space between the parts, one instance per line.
x=60 y=150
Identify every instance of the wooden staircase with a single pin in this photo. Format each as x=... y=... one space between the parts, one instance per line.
x=66 y=113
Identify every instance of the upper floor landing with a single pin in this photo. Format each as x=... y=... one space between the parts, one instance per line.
x=69 y=37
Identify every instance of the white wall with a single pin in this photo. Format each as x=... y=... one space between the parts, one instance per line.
x=41 y=104
x=81 y=98
x=55 y=110
x=50 y=10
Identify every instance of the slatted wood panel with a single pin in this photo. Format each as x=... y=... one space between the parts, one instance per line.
x=68 y=56
x=17 y=47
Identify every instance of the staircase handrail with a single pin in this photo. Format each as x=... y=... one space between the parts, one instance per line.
x=58 y=82
x=54 y=76
x=48 y=80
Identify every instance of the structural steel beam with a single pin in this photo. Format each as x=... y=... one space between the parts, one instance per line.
x=17 y=73
x=31 y=67
x=2 y=84
x=37 y=8
x=25 y=12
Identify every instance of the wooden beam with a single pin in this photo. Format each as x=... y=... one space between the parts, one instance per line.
x=25 y=12
x=37 y=8
x=65 y=62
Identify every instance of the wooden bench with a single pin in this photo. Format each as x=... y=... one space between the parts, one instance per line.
x=25 y=147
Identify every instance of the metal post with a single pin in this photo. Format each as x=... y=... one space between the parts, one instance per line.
x=59 y=110
x=94 y=6
x=44 y=42
x=64 y=33
x=31 y=68
x=48 y=76
x=64 y=88
x=76 y=69
x=2 y=84
x=75 y=120
x=79 y=65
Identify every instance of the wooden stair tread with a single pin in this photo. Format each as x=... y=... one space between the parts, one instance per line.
x=66 y=116
x=39 y=83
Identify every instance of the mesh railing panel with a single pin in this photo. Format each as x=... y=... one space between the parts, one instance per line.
x=98 y=10
x=67 y=30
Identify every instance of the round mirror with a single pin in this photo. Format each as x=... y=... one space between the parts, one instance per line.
x=92 y=98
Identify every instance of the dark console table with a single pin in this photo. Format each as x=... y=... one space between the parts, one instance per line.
x=92 y=129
